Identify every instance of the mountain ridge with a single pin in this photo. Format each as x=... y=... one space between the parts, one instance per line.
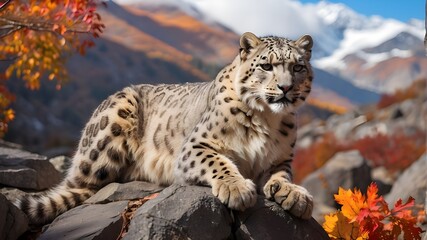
x=341 y=35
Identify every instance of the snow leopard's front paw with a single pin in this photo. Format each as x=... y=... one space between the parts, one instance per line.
x=296 y=199
x=235 y=192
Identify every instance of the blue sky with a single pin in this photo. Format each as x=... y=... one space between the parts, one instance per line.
x=398 y=9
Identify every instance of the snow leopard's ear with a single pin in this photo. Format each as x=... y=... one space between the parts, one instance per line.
x=305 y=43
x=248 y=41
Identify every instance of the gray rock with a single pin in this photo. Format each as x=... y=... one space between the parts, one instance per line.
x=344 y=169
x=267 y=220
x=22 y=169
x=98 y=221
x=149 y=227
x=412 y=182
x=126 y=191
x=13 y=222
x=178 y=212
x=7 y=144
x=408 y=116
x=181 y=212
x=383 y=179
x=310 y=132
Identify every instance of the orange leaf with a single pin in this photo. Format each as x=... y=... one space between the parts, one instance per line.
x=351 y=202
x=9 y=115
x=152 y=196
x=338 y=227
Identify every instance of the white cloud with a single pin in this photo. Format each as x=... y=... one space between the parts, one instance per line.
x=287 y=18
x=268 y=17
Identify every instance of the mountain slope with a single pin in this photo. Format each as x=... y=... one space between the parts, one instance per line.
x=326 y=81
x=142 y=44
x=173 y=32
x=47 y=119
x=348 y=44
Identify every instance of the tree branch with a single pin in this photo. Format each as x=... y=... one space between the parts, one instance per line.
x=3 y=6
x=38 y=26
x=10 y=31
x=16 y=25
x=9 y=59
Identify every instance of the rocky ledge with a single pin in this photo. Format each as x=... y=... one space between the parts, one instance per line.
x=138 y=210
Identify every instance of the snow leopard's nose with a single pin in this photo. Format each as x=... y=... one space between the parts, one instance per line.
x=285 y=89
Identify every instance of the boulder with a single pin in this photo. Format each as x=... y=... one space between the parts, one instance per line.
x=181 y=212
x=149 y=227
x=267 y=220
x=7 y=144
x=310 y=132
x=344 y=125
x=345 y=169
x=383 y=179
x=126 y=191
x=13 y=222
x=412 y=182
x=192 y=212
x=88 y=221
x=22 y=169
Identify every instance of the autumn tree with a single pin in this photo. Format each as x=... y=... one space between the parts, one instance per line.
x=36 y=37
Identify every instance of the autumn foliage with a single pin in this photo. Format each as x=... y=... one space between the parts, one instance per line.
x=400 y=95
x=311 y=158
x=369 y=217
x=37 y=36
x=395 y=152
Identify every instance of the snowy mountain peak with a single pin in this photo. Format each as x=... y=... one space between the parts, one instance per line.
x=340 y=16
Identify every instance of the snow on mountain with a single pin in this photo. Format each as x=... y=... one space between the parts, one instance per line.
x=355 y=40
x=340 y=16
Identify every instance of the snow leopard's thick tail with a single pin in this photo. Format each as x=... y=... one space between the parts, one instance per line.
x=42 y=209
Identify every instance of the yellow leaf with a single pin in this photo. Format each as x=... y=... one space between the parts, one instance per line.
x=338 y=227
x=62 y=41
x=351 y=202
x=330 y=224
x=9 y=72
x=9 y=115
x=35 y=9
x=31 y=62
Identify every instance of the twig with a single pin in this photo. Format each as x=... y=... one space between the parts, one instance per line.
x=12 y=30
x=5 y=4
x=16 y=25
x=9 y=59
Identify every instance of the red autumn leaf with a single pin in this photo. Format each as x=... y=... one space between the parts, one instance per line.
x=410 y=230
x=399 y=207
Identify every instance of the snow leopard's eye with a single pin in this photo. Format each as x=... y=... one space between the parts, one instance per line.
x=267 y=66
x=297 y=68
